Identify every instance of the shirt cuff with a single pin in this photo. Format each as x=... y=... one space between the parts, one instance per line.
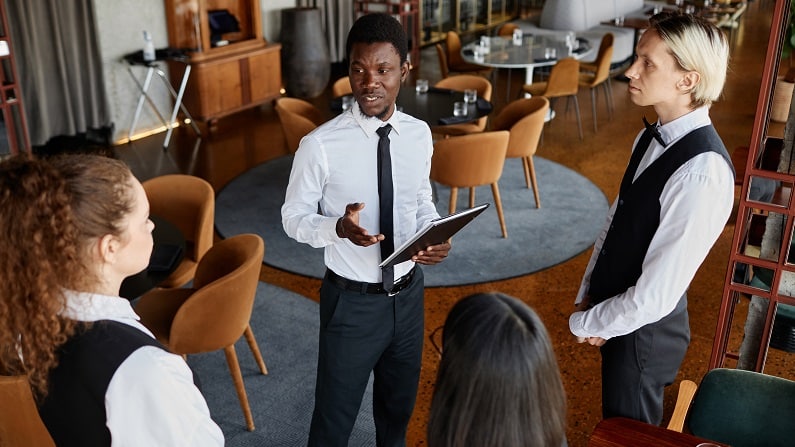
x=575 y=324
x=328 y=228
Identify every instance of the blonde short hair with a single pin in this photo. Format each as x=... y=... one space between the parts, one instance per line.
x=696 y=45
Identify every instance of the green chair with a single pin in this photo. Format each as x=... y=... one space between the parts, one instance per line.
x=741 y=408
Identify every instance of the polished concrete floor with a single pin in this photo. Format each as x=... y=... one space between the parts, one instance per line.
x=253 y=137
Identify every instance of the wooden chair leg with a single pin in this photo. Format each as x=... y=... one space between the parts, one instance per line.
x=237 y=377
x=532 y=170
x=526 y=167
x=495 y=190
x=252 y=344
x=471 y=197
x=453 y=198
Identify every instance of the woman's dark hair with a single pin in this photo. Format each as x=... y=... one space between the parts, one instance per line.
x=378 y=27
x=498 y=382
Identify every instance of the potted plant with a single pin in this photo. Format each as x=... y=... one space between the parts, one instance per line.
x=782 y=96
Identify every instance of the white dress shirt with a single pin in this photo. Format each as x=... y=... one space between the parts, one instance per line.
x=694 y=206
x=151 y=399
x=336 y=164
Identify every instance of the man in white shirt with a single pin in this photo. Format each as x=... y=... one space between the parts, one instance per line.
x=675 y=198
x=369 y=321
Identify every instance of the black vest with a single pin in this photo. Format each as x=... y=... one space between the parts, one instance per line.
x=74 y=409
x=637 y=214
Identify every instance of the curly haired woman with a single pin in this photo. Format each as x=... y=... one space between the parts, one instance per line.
x=71 y=230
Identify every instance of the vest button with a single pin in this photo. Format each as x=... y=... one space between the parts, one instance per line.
x=603 y=252
x=620 y=201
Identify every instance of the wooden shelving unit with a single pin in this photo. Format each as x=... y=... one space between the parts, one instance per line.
x=405 y=11
x=464 y=17
x=233 y=67
x=13 y=126
x=764 y=230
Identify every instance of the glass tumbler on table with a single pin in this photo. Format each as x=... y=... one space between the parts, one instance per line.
x=470 y=95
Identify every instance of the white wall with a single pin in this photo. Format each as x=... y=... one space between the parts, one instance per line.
x=120 y=25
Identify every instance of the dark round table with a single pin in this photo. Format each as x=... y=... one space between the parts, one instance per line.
x=434 y=107
x=169 y=248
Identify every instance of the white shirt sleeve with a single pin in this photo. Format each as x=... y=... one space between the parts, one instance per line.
x=300 y=218
x=152 y=400
x=695 y=205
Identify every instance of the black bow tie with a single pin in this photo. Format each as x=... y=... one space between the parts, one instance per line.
x=655 y=132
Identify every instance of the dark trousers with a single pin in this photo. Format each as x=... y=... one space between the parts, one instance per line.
x=360 y=333
x=638 y=366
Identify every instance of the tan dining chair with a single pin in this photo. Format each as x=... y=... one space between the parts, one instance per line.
x=507 y=29
x=20 y=424
x=341 y=87
x=298 y=118
x=455 y=62
x=564 y=81
x=524 y=119
x=468 y=161
x=461 y=83
x=188 y=203
x=596 y=73
x=215 y=312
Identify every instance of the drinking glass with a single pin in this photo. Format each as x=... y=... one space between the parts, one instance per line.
x=422 y=86
x=517 y=37
x=550 y=53
x=470 y=95
x=460 y=108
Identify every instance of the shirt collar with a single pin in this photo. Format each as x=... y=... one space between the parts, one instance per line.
x=683 y=125
x=84 y=306
x=369 y=124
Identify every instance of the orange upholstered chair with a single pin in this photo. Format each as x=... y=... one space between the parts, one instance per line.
x=461 y=83
x=20 y=424
x=298 y=118
x=564 y=81
x=596 y=73
x=215 y=312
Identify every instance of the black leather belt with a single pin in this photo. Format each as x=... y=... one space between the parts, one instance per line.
x=369 y=287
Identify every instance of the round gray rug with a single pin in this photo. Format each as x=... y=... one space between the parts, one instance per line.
x=572 y=213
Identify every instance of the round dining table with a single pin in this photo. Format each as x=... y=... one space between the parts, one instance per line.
x=532 y=53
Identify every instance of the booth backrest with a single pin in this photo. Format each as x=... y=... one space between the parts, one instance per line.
x=579 y=15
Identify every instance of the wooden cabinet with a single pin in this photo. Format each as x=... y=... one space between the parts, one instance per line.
x=232 y=66
x=13 y=127
x=758 y=300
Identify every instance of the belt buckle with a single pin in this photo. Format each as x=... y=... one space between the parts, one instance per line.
x=393 y=293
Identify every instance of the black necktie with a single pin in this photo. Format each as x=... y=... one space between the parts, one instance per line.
x=655 y=132
x=386 y=205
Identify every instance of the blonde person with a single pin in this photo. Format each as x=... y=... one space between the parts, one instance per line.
x=71 y=230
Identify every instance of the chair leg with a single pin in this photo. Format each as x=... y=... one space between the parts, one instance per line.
x=453 y=198
x=593 y=108
x=532 y=170
x=471 y=197
x=577 y=109
x=237 y=377
x=252 y=344
x=526 y=171
x=495 y=190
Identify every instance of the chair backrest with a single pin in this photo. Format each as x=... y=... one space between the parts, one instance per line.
x=603 y=58
x=454 y=49
x=744 y=408
x=524 y=118
x=219 y=310
x=564 y=78
x=20 y=424
x=469 y=160
x=507 y=30
x=188 y=202
x=341 y=87
x=440 y=52
x=298 y=118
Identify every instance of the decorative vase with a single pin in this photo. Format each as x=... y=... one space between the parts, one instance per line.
x=782 y=97
x=306 y=64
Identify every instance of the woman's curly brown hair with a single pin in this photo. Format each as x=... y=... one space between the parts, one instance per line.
x=40 y=248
